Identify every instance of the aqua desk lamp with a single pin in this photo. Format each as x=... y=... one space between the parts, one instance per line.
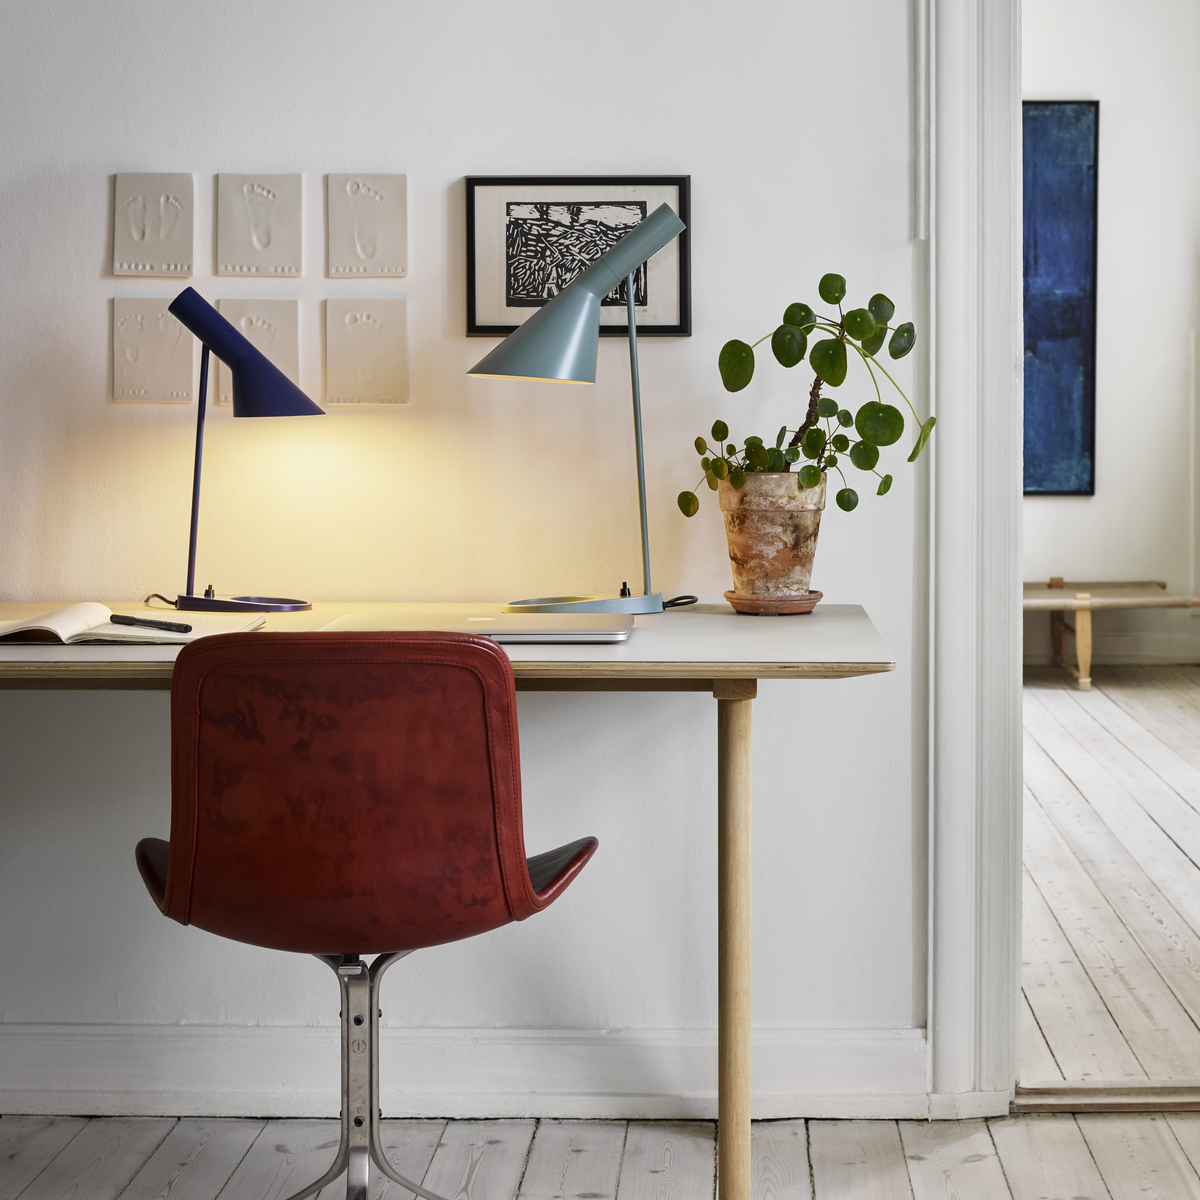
x=560 y=342
x=260 y=389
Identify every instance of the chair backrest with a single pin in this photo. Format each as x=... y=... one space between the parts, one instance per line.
x=345 y=792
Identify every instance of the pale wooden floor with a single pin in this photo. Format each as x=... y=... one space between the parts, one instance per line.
x=1112 y=888
x=1094 y=1157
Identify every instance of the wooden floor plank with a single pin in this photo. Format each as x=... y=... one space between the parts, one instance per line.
x=409 y=1146
x=285 y=1157
x=1079 y=1028
x=1156 y=1025
x=952 y=1159
x=28 y=1145
x=574 y=1158
x=1186 y=1128
x=1163 y=932
x=100 y=1159
x=855 y=1159
x=480 y=1160
x=1111 y=776
x=676 y=1160
x=1156 y=707
x=778 y=1161
x=194 y=1160
x=1047 y=1158
x=1139 y=1155
x=1037 y=1061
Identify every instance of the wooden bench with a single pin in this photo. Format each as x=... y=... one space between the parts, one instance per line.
x=1058 y=597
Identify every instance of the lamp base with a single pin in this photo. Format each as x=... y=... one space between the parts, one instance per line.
x=240 y=604
x=587 y=604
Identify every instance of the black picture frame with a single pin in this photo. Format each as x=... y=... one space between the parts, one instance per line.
x=493 y=188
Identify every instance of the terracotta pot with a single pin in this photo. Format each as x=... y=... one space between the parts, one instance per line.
x=771 y=524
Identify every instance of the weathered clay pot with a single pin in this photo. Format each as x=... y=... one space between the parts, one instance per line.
x=771 y=524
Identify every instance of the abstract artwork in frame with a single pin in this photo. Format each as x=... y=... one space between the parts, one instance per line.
x=529 y=236
x=1061 y=139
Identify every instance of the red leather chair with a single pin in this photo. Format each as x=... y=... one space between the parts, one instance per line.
x=346 y=794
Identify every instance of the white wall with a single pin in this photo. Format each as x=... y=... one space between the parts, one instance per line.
x=1139 y=62
x=801 y=162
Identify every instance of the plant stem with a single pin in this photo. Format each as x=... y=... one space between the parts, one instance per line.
x=814 y=397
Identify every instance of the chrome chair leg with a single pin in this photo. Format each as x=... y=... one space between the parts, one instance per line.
x=360 y=1141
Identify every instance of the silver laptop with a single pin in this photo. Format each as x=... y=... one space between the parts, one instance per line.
x=500 y=627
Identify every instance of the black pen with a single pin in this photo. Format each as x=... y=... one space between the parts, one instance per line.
x=147 y=623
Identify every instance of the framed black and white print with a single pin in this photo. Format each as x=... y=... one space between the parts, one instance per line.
x=528 y=236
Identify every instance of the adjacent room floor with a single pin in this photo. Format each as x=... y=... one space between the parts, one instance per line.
x=1112 y=888
x=1098 y=1156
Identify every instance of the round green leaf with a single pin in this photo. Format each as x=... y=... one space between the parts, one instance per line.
x=830 y=462
x=840 y=442
x=701 y=446
x=705 y=464
x=860 y=324
x=720 y=468
x=789 y=344
x=780 y=436
x=731 y=449
x=809 y=475
x=736 y=364
x=827 y=407
x=903 y=340
x=720 y=430
x=775 y=459
x=884 y=484
x=845 y=417
x=737 y=478
x=872 y=344
x=711 y=480
x=689 y=503
x=864 y=455
x=813 y=442
x=831 y=288
x=756 y=456
x=828 y=359
x=881 y=308
x=791 y=454
x=801 y=316
x=754 y=440
x=926 y=430
x=847 y=499
x=879 y=423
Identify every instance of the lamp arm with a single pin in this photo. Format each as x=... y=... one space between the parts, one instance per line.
x=202 y=398
x=637 y=434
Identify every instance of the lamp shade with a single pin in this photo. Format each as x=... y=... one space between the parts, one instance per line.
x=560 y=340
x=260 y=388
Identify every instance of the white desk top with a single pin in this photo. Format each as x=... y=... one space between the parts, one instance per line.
x=700 y=642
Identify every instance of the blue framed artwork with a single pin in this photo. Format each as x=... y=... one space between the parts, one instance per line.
x=1060 y=143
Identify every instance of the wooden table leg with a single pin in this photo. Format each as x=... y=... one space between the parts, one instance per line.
x=734 y=701
x=1083 y=643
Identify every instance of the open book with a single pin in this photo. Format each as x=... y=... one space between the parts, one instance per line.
x=89 y=622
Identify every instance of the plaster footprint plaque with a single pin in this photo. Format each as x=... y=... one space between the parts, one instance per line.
x=152 y=225
x=272 y=326
x=152 y=354
x=258 y=225
x=366 y=345
x=368 y=226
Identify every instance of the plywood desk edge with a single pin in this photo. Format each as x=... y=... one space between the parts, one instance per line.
x=531 y=676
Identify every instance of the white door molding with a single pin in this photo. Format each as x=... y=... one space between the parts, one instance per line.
x=976 y=370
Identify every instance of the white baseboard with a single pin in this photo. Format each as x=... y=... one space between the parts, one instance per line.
x=293 y=1072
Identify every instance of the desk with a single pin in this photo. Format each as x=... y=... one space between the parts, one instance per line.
x=705 y=648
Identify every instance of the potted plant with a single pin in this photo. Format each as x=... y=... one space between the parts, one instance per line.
x=772 y=514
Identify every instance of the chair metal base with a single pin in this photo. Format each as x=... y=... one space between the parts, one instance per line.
x=360 y=1145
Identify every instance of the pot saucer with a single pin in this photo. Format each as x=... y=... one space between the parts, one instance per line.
x=800 y=602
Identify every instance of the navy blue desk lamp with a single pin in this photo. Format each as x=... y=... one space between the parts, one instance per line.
x=260 y=389
x=560 y=341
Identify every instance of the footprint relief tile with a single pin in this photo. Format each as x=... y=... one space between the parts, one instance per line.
x=152 y=353
x=366 y=344
x=272 y=326
x=368 y=226
x=152 y=225
x=259 y=225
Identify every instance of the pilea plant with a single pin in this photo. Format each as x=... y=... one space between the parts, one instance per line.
x=844 y=435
